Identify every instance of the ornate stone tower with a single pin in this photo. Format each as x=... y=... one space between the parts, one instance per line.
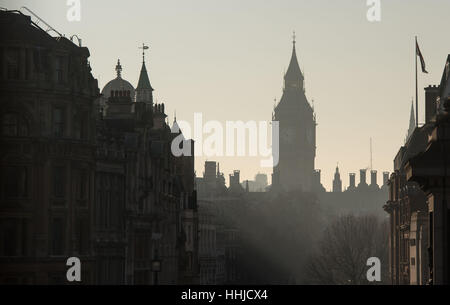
x=297 y=137
x=337 y=182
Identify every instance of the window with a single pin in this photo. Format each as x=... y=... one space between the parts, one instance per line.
x=83 y=236
x=14 y=237
x=16 y=182
x=14 y=125
x=59 y=63
x=80 y=125
x=81 y=185
x=12 y=63
x=58 y=121
x=10 y=237
x=57 y=233
x=59 y=181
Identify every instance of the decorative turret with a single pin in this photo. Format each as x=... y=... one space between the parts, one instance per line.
x=159 y=116
x=144 y=90
x=337 y=182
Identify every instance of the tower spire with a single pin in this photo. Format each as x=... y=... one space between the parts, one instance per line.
x=144 y=88
x=412 y=121
x=293 y=78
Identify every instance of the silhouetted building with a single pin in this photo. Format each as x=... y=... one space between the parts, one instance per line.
x=361 y=199
x=47 y=154
x=212 y=183
x=235 y=184
x=297 y=134
x=258 y=185
x=408 y=212
x=85 y=175
x=430 y=169
x=156 y=215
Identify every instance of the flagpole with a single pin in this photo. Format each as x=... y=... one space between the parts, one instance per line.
x=417 y=95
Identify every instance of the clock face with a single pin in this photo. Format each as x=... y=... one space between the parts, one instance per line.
x=288 y=135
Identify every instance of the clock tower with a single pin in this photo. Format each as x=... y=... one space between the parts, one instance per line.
x=297 y=136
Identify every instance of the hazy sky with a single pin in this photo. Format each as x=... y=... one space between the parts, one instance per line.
x=226 y=59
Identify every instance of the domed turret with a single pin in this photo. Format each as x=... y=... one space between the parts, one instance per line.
x=118 y=87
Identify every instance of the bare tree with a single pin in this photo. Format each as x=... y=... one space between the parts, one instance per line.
x=343 y=251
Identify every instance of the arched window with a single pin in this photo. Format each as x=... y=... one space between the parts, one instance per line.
x=14 y=125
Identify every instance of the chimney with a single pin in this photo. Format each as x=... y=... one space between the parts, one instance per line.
x=373 y=177
x=352 y=180
x=431 y=94
x=385 y=178
x=362 y=176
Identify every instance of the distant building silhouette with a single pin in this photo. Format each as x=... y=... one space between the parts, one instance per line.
x=297 y=134
x=258 y=185
x=360 y=199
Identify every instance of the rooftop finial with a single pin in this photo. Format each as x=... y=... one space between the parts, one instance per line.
x=118 y=69
x=293 y=37
x=144 y=47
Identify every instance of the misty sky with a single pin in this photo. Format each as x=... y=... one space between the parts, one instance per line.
x=226 y=59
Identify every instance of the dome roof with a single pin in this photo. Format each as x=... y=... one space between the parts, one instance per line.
x=118 y=84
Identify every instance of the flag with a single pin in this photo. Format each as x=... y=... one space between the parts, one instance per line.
x=422 y=61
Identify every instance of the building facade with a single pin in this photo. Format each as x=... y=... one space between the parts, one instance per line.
x=86 y=174
x=430 y=169
x=410 y=239
x=155 y=217
x=47 y=153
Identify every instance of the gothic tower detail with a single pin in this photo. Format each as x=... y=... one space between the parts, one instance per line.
x=297 y=134
x=337 y=182
x=144 y=90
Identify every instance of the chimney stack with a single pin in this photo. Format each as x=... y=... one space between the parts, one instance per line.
x=352 y=181
x=362 y=177
x=431 y=94
x=373 y=178
x=385 y=178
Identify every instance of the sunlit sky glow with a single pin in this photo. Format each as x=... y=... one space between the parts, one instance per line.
x=226 y=59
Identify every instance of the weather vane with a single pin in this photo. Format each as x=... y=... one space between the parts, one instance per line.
x=144 y=47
